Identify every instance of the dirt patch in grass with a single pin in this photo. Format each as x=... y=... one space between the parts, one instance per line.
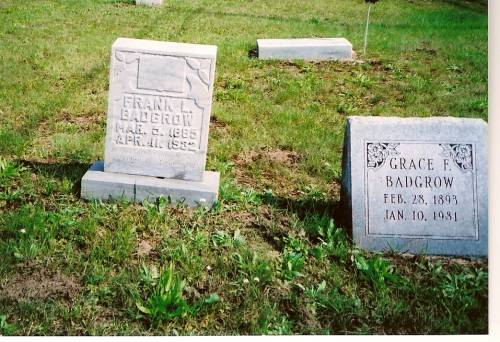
x=300 y=67
x=263 y=229
x=145 y=248
x=285 y=157
x=426 y=48
x=84 y=120
x=244 y=218
x=408 y=263
x=39 y=283
x=272 y=227
x=218 y=125
x=449 y=261
x=275 y=169
x=262 y=243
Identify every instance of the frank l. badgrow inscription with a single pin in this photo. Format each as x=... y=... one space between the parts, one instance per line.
x=417 y=185
x=159 y=108
x=160 y=101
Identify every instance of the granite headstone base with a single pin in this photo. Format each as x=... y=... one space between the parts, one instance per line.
x=305 y=48
x=101 y=185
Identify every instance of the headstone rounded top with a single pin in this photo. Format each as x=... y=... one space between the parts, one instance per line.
x=174 y=48
x=410 y=120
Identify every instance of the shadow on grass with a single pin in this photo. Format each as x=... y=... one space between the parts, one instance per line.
x=480 y=6
x=73 y=171
x=124 y=2
x=304 y=207
x=199 y=11
x=477 y=6
x=253 y=53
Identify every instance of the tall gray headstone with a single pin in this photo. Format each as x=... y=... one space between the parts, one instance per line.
x=159 y=108
x=417 y=185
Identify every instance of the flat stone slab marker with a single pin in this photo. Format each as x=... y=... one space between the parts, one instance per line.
x=305 y=48
x=149 y=2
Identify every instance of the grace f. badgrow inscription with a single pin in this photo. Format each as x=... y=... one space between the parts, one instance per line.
x=159 y=109
x=417 y=185
x=408 y=183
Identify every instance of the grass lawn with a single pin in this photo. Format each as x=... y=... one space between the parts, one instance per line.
x=270 y=257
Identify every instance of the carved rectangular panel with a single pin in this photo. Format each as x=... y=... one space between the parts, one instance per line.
x=421 y=189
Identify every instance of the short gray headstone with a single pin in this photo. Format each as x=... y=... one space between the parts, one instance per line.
x=417 y=185
x=159 y=109
x=305 y=48
x=149 y=2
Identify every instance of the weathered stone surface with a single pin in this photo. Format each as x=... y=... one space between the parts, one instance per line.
x=149 y=2
x=417 y=185
x=159 y=108
x=305 y=48
x=100 y=185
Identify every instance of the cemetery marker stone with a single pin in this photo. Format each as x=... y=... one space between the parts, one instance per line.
x=149 y=2
x=305 y=48
x=159 y=107
x=417 y=185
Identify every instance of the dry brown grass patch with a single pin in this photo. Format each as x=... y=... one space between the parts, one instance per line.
x=35 y=282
